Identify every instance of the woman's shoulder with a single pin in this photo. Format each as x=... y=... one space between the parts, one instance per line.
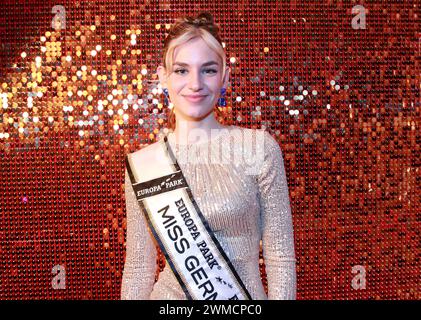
x=251 y=136
x=254 y=147
x=147 y=154
x=150 y=161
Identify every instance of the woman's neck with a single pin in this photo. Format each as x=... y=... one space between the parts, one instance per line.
x=190 y=131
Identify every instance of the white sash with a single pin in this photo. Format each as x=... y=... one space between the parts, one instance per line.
x=182 y=232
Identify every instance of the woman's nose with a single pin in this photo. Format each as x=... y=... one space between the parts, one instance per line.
x=195 y=81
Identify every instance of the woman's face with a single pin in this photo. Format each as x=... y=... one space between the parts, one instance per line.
x=195 y=79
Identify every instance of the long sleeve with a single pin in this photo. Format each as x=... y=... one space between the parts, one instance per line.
x=140 y=265
x=277 y=227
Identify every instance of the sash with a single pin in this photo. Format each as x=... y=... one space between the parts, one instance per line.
x=194 y=254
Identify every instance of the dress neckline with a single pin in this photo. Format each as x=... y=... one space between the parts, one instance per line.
x=213 y=137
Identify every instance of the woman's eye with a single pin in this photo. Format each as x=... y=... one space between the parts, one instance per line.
x=212 y=71
x=184 y=71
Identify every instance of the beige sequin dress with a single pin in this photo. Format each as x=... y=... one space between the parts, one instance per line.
x=244 y=200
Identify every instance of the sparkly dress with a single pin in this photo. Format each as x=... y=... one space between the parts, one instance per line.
x=244 y=201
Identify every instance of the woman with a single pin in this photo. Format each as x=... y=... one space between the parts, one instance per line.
x=243 y=201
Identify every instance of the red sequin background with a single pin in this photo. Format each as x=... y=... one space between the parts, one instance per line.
x=337 y=84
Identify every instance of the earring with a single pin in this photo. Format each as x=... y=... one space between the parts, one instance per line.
x=221 y=101
x=165 y=90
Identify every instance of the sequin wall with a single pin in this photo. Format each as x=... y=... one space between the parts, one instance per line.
x=337 y=84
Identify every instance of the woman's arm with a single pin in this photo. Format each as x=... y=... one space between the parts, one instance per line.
x=277 y=227
x=140 y=265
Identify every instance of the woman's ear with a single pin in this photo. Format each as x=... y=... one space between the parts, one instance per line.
x=226 y=77
x=162 y=76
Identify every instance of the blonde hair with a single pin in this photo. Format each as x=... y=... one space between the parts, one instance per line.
x=184 y=30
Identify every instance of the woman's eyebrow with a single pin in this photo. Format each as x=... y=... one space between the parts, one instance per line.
x=183 y=64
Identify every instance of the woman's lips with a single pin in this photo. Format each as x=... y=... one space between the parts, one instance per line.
x=195 y=98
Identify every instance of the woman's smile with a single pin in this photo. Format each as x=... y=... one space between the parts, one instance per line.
x=194 y=98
